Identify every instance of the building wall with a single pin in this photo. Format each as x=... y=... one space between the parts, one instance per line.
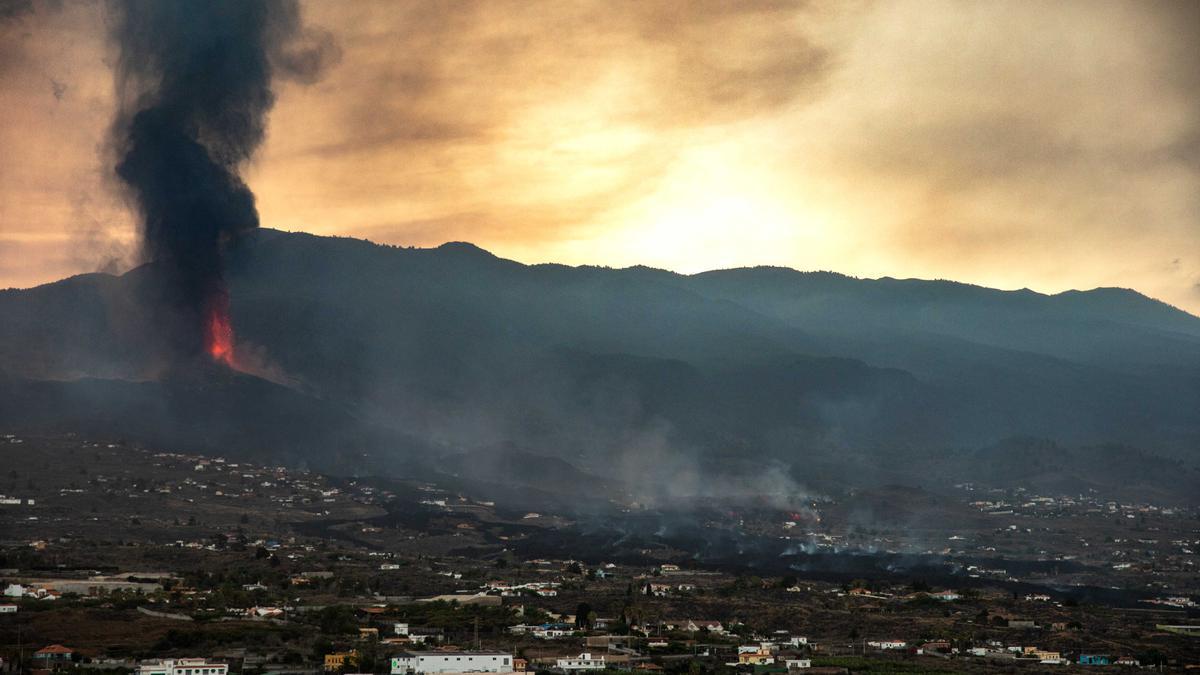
x=453 y=663
x=183 y=667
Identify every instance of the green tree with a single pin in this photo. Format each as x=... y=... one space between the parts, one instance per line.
x=337 y=620
x=583 y=616
x=320 y=648
x=369 y=658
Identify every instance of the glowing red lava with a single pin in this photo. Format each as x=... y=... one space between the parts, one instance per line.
x=218 y=332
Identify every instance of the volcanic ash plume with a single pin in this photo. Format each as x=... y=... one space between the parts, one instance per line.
x=194 y=78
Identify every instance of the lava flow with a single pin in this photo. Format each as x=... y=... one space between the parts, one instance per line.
x=218 y=331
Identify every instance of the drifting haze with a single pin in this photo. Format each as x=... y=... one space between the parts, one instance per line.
x=1048 y=145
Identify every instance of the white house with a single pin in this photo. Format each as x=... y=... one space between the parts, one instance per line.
x=552 y=631
x=14 y=591
x=747 y=649
x=584 y=661
x=659 y=590
x=452 y=662
x=693 y=626
x=181 y=667
x=798 y=664
x=8 y=609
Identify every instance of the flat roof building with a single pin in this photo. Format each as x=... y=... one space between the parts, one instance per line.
x=584 y=661
x=452 y=662
x=182 y=667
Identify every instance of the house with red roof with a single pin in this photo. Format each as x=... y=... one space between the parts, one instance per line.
x=53 y=656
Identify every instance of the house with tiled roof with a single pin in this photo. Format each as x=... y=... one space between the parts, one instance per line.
x=53 y=655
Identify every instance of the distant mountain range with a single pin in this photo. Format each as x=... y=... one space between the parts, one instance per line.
x=402 y=358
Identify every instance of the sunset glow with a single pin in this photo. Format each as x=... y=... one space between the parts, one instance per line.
x=860 y=336
x=907 y=139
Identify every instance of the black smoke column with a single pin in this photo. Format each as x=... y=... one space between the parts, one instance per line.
x=194 y=79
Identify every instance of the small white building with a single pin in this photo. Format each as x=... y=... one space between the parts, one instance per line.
x=798 y=664
x=584 y=661
x=452 y=662
x=8 y=609
x=695 y=626
x=182 y=667
x=551 y=632
x=748 y=649
x=659 y=590
x=14 y=591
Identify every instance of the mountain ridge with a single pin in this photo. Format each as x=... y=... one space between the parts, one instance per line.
x=458 y=245
x=455 y=348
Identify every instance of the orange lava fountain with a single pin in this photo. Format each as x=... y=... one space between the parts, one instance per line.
x=218 y=331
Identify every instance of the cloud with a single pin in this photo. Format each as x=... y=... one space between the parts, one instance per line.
x=1048 y=145
x=431 y=71
x=536 y=116
x=11 y=10
x=1021 y=144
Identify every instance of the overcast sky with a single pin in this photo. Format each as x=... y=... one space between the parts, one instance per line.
x=1048 y=145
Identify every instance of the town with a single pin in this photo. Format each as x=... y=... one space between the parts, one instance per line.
x=119 y=558
x=692 y=337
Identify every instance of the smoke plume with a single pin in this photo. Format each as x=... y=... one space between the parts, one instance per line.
x=194 y=82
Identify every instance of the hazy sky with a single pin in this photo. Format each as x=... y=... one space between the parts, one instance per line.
x=1048 y=145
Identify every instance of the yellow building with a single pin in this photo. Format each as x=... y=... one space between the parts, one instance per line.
x=339 y=660
x=761 y=657
x=1045 y=655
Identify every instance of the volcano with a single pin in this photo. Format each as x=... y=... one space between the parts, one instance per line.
x=640 y=374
